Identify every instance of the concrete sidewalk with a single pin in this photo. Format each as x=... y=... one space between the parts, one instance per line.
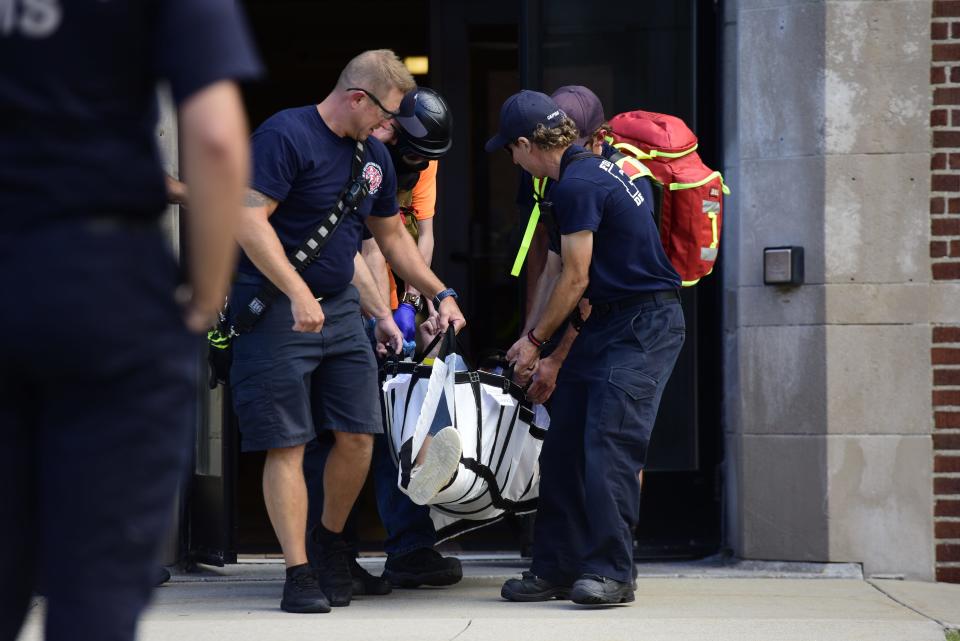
x=712 y=599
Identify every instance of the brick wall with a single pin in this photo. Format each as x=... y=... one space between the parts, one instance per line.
x=945 y=266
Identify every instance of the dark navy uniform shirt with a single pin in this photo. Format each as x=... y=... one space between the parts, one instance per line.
x=526 y=200
x=300 y=162
x=78 y=99
x=593 y=194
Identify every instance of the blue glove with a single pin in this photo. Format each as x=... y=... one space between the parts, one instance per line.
x=405 y=317
x=409 y=347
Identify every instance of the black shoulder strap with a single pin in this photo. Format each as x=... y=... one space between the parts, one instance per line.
x=350 y=198
x=572 y=158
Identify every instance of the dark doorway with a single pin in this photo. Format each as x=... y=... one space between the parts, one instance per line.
x=663 y=58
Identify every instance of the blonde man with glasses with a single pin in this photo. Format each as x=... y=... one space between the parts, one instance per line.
x=306 y=366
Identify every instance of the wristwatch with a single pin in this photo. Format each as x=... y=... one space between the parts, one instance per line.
x=444 y=294
x=414 y=299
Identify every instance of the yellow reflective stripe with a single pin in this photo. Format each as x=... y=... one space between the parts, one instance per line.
x=689 y=283
x=525 y=243
x=716 y=232
x=218 y=339
x=539 y=188
x=655 y=153
x=642 y=155
x=679 y=154
x=716 y=174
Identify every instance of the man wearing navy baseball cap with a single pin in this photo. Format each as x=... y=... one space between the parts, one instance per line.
x=520 y=115
x=584 y=108
x=609 y=389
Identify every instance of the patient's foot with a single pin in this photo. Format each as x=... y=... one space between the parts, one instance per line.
x=439 y=465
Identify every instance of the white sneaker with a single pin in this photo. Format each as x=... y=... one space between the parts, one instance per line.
x=442 y=460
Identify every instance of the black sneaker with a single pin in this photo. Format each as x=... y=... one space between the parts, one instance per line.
x=366 y=583
x=302 y=591
x=424 y=566
x=592 y=589
x=332 y=563
x=533 y=588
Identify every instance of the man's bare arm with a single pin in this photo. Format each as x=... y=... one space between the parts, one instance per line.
x=216 y=157
x=262 y=246
x=545 y=284
x=402 y=253
x=425 y=240
x=425 y=243
x=372 y=300
x=375 y=305
x=399 y=248
x=377 y=265
x=576 y=252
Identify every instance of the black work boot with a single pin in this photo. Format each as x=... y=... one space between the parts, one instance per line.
x=424 y=566
x=330 y=556
x=366 y=583
x=302 y=591
x=593 y=589
x=533 y=588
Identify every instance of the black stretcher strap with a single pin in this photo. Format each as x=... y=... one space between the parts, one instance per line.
x=487 y=475
x=394 y=368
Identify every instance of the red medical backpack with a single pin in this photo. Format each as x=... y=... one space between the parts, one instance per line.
x=692 y=208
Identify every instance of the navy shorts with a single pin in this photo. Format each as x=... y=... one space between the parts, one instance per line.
x=288 y=386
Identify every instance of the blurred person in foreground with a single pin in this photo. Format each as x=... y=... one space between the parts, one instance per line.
x=101 y=344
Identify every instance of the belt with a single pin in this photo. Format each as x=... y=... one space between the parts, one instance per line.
x=602 y=309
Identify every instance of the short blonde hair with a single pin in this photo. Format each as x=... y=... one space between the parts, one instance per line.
x=377 y=71
x=559 y=137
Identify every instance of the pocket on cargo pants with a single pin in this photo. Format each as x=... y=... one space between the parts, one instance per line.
x=628 y=412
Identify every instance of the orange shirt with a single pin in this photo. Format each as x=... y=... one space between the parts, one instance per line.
x=424 y=205
x=425 y=193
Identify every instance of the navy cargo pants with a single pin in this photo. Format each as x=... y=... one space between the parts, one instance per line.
x=602 y=413
x=98 y=381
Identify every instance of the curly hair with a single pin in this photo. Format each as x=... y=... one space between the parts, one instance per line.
x=559 y=137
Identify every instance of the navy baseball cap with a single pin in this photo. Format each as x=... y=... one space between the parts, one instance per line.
x=520 y=115
x=582 y=106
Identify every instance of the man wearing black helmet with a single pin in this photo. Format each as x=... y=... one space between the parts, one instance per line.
x=415 y=139
x=422 y=135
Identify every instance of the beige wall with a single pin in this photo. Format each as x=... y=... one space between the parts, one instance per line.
x=828 y=390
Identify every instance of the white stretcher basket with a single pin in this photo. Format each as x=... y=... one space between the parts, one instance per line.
x=500 y=432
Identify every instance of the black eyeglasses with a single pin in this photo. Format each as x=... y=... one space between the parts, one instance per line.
x=387 y=114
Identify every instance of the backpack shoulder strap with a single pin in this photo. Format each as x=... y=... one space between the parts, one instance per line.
x=580 y=155
x=631 y=166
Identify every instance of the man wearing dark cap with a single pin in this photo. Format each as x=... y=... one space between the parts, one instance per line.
x=610 y=387
x=582 y=106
